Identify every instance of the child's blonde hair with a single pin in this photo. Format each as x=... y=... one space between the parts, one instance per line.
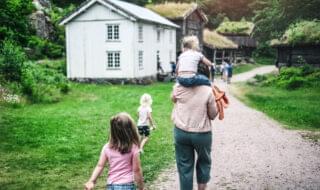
x=146 y=100
x=123 y=133
x=191 y=42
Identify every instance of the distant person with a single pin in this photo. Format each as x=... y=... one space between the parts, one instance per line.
x=222 y=70
x=193 y=111
x=122 y=155
x=188 y=61
x=173 y=69
x=213 y=71
x=225 y=70
x=145 y=121
x=229 y=68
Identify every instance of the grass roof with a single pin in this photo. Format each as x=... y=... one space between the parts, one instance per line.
x=236 y=28
x=217 y=41
x=304 y=32
x=173 y=10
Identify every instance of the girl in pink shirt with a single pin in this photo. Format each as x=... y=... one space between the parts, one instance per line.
x=122 y=155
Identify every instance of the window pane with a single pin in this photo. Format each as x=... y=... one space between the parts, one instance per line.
x=116 y=59
x=140 y=33
x=158 y=35
x=116 y=32
x=140 y=59
x=109 y=32
x=110 y=59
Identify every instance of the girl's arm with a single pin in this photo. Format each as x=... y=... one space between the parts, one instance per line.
x=151 y=119
x=206 y=61
x=97 y=171
x=138 y=177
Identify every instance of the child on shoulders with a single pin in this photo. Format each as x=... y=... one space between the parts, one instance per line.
x=188 y=61
x=122 y=155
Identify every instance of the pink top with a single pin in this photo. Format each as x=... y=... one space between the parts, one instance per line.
x=120 y=165
x=194 y=109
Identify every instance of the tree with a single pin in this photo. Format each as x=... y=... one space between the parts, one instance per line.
x=14 y=22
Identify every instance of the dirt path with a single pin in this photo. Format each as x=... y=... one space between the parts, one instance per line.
x=251 y=151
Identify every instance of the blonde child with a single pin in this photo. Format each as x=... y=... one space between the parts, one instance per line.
x=122 y=155
x=188 y=61
x=145 y=119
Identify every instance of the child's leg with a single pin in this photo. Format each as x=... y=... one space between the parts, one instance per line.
x=196 y=80
x=143 y=142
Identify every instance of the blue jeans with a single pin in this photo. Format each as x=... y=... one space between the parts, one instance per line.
x=196 y=80
x=127 y=186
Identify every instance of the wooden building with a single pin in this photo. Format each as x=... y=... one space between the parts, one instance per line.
x=300 y=44
x=240 y=32
x=217 y=47
x=189 y=17
x=117 y=41
x=288 y=55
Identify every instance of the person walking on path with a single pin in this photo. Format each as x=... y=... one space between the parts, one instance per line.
x=192 y=133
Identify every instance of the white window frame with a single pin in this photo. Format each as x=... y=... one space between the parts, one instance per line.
x=140 y=33
x=170 y=36
x=140 y=59
x=170 y=55
x=113 y=60
x=112 y=32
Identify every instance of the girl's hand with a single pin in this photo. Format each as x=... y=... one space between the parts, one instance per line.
x=89 y=185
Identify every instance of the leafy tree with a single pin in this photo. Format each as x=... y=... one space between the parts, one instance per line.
x=14 y=20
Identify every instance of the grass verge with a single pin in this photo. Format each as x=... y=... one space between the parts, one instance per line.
x=297 y=109
x=56 y=146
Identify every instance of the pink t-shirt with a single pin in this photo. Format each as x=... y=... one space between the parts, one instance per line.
x=120 y=165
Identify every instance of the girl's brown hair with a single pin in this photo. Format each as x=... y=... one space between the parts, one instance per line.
x=123 y=133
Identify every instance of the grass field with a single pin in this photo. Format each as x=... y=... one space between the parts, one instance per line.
x=297 y=109
x=56 y=146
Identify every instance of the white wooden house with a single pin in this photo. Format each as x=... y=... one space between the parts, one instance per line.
x=112 y=39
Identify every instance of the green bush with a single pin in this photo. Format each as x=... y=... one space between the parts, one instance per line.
x=43 y=49
x=12 y=58
x=43 y=84
x=260 y=78
x=294 y=83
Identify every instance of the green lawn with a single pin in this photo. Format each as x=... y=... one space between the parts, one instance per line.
x=56 y=146
x=297 y=109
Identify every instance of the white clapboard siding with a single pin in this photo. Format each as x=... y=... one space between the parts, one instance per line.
x=87 y=44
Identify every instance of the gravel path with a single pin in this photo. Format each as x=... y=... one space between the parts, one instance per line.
x=252 y=151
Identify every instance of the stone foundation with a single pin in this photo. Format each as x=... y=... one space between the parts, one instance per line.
x=140 y=81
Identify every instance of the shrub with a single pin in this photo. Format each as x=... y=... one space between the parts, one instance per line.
x=43 y=48
x=294 y=83
x=43 y=84
x=260 y=78
x=11 y=61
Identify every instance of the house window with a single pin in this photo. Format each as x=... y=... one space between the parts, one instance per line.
x=140 y=59
x=140 y=33
x=112 y=32
x=113 y=60
x=158 y=35
x=170 y=36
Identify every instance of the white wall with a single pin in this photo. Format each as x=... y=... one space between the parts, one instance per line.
x=87 y=45
x=150 y=46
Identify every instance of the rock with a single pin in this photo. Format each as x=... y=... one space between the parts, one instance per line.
x=42 y=24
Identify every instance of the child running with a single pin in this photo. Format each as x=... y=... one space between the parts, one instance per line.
x=188 y=64
x=122 y=155
x=145 y=119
